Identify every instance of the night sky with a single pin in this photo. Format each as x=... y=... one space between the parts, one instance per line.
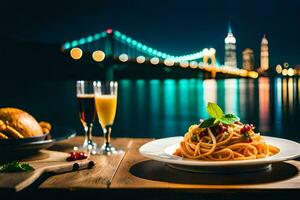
x=176 y=27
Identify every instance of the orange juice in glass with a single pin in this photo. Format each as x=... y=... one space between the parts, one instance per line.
x=106 y=106
x=106 y=94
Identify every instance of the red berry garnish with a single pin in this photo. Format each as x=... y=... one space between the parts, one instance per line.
x=82 y=155
x=246 y=128
x=76 y=156
x=73 y=153
x=202 y=134
x=221 y=129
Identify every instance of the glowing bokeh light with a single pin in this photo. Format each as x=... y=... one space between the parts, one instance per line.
x=123 y=57
x=109 y=31
x=253 y=74
x=154 y=61
x=243 y=72
x=284 y=72
x=205 y=52
x=82 y=41
x=144 y=47
x=278 y=69
x=184 y=64
x=140 y=59
x=169 y=62
x=117 y=33
x=290 y=72
x=89 y=39
x=123 y=37
x=97 y=36
x=76 y=53
x=139 y=45
x=193 y=64
x=74 y=43
x=129 y=40
x=67 y=45
x=212 y=51
x=134 y=42
x=98 y=56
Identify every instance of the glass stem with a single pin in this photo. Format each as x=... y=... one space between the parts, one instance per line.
x=89 y=130
x=107 y=131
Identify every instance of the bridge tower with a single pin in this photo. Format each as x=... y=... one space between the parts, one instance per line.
x=210 y=55
x=109 y=51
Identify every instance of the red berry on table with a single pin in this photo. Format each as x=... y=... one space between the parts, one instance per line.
x=76 y=156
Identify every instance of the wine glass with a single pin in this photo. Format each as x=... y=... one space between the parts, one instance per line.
x=87 y=113
x=106 y=106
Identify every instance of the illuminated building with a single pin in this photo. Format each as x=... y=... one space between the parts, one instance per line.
x=230 y=50
x=264 y=54
x=248 y=59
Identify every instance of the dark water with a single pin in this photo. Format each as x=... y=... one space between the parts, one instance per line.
x=166 y=108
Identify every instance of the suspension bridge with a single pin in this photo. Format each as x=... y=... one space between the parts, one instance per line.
x=114 y=51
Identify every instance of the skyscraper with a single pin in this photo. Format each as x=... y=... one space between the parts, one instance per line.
x=230 y=50
x=264 y=54
x=248 y=59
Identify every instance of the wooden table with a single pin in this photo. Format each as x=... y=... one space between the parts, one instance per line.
x=131 y=175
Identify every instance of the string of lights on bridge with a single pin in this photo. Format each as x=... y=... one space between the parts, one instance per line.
x=156 y=56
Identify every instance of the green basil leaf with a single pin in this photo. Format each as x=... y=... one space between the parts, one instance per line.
x=216 y=120
x=207 y=123
x=229 y=119
x=26 y=167
x=16 y=167
x=214 y=110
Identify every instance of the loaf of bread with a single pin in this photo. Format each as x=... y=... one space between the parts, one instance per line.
x=16 y=123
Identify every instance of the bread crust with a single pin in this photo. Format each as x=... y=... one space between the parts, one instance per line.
x=21 y=121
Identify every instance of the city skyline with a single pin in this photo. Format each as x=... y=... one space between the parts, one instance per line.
x=208 y=55
x=199 y=25
x=248 y=56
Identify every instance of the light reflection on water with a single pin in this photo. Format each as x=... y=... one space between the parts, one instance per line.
x=162 y=108
x=264 y=103
x=278 y=106
x=231 y=94
x=166 y=108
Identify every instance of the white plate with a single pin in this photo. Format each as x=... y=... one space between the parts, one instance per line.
x=163 y=149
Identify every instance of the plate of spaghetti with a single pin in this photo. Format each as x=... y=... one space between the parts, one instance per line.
x=221 y=143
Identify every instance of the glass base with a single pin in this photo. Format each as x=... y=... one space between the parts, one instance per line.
x=110 y=150
x=89 y=148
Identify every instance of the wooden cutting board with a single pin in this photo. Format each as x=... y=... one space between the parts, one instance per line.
x=45 y=161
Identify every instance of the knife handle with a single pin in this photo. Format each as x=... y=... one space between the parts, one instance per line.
x=58 y=168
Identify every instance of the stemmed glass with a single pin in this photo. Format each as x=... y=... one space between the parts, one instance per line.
x=87 y=113
x=106 y=106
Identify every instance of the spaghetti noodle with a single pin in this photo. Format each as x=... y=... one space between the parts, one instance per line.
x=224 y=142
